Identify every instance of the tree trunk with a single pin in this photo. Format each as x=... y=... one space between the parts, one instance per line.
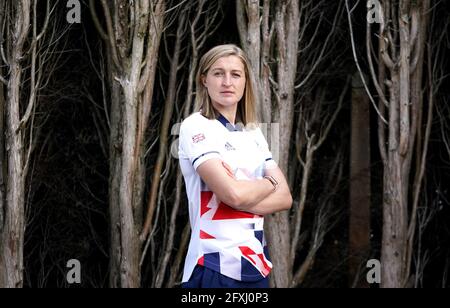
x=115 y=165
x=11 y=238
x=133 y=31
x=2 y=159
x=404 y=108
x=165 y=128
x=286 y=26
x=401 y=48
x=359 y=229
x=417 y=107
x=394 y=226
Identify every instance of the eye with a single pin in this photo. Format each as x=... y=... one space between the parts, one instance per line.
x=236 y=75
x=218 y=74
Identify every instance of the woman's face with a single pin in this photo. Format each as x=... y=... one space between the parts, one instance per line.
x=225 y=81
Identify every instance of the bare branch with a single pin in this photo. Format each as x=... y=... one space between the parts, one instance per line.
x=174 y=270
x=111 y=35
x=330 y=123
x=358 y=66
x=325 y=220
x=242 y=23
x=319 y=58
x=155 y=24
x=97 y=24
x=371 y=67
x=168 y=110
x=172 y=226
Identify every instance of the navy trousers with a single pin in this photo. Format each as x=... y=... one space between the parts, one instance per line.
x=203 y=277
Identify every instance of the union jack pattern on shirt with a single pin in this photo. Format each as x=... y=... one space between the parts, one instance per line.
x=223 y=239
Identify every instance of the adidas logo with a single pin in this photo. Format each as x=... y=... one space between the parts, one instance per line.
x=229 y=147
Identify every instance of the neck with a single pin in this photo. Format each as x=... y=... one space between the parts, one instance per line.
x=228 y=112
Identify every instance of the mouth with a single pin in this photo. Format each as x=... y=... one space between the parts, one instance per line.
x=227 y=92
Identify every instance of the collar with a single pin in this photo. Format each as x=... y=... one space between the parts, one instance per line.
x=228 y=125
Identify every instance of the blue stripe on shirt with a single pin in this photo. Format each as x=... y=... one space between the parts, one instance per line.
x=211 y=152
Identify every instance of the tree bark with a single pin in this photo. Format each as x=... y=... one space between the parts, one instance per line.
x=417 y=106
x=278 y=231
x=11 y=243
x=2 y=158
x=401 y=49
x=12 y=237
x=252 y=21
x=132 y=35
x=405 y=104
x=164 y=137
x=115 y=165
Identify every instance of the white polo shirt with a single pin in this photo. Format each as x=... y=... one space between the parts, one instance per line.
x=223 y=239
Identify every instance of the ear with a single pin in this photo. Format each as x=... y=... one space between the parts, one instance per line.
x=204 y=80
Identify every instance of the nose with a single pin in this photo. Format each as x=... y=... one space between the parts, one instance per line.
x=226 y=81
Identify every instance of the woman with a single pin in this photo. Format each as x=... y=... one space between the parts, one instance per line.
x=230 y=176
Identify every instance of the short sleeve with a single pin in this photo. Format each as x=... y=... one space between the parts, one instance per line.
x=198 y=142
x=264 y=147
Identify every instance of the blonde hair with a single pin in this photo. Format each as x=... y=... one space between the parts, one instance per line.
x=246 y=112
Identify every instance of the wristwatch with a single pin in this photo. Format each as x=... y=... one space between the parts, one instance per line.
x=273 y=181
